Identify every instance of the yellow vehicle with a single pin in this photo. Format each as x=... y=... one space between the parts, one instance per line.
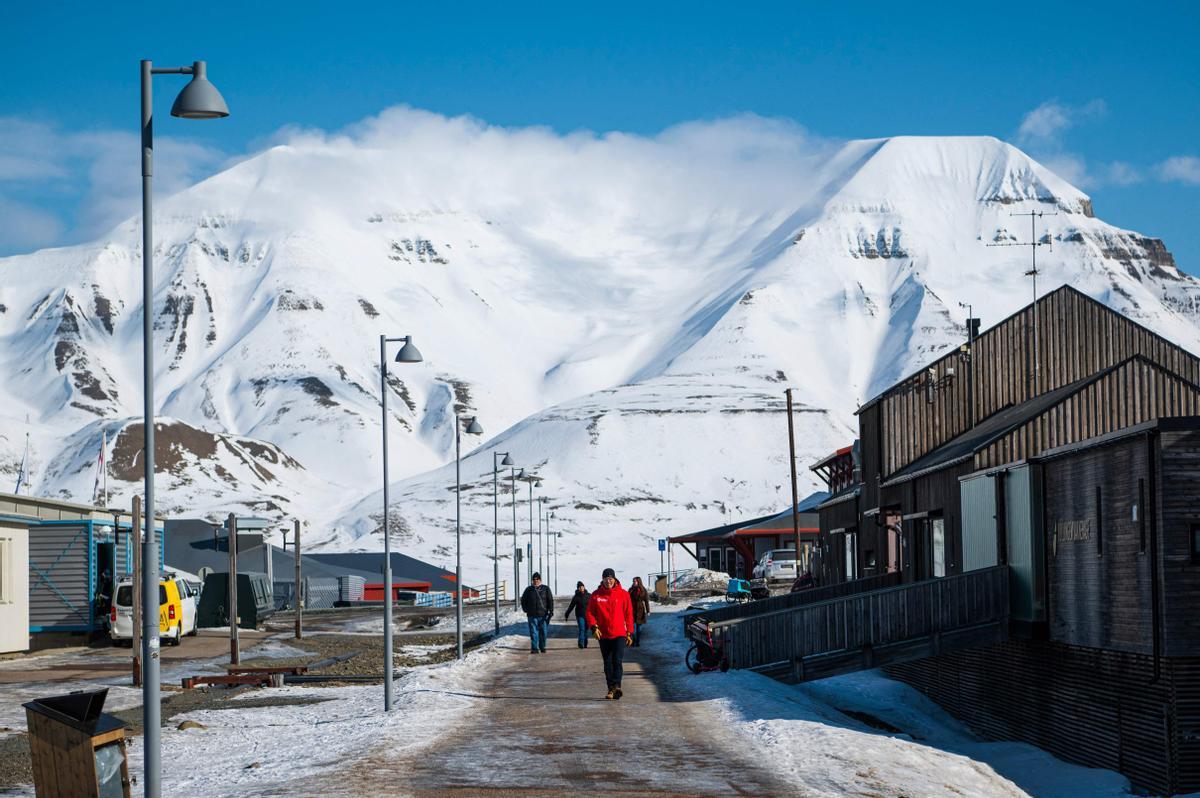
x=176 y=610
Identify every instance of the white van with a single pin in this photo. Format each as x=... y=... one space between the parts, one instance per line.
x=177 y=600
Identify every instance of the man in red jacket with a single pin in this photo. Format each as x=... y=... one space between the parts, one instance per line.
x=610 y=617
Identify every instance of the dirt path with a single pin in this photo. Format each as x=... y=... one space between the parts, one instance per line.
x=545 y=729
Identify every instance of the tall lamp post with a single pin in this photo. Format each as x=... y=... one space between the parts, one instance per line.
x=198 y=100
x=531 y=479
x=473 y=428
x=407 y=354
x=541 y=533
x=514 y=476
x=507 y=461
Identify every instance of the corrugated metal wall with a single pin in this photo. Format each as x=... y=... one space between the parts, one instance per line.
x=1023 y=516
x=978 y=496
x=60 y=578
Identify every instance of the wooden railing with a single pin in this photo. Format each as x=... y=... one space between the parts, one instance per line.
x=799 y=598
x=909 y=620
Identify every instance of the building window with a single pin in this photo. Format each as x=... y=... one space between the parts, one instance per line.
x=1195 y=544
x=938 y=527
x=6 y=575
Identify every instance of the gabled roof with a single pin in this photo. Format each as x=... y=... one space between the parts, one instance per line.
x=1002 y=422
x=716 y=532
x=1065 y=288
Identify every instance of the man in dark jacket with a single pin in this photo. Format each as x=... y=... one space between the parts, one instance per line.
x=579 y=603
x=538 y=604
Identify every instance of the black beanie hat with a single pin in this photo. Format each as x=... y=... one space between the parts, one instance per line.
x=536 y=575
x=607 y=573
x=580 y=584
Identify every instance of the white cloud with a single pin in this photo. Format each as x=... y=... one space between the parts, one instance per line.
x=1044 y=125
x=23 y=227
x=1180 y=169
x=1122 y=174
x=93 y=176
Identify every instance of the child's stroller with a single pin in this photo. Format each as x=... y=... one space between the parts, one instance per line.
x=705 y=654
x=738 y=590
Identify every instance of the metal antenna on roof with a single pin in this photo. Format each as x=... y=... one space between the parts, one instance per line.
x=1033 y=243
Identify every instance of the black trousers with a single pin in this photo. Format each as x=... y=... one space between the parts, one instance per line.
x=613 y=652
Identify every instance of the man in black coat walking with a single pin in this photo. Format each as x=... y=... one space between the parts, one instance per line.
x=578 y=604
x=538 y=603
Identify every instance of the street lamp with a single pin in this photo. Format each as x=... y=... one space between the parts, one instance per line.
x=407 y=354
x=198 y=100
x=507 y=461
x=541 y=535
x=531 y=479
x=514 y=476
x=473 y=428
x=557 y=537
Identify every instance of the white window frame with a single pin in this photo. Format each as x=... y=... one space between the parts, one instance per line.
x=937 y=535
x=6 y=570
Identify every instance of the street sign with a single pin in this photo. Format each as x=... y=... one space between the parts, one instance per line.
x=662 y=544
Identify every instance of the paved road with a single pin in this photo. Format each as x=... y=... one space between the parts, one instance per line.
x=546 y=730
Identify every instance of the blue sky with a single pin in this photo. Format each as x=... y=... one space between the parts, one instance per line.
x=1107 y=94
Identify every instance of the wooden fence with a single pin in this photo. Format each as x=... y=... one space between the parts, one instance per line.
x=867 y=629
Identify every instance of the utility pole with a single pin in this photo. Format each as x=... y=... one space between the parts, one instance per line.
x=234 y=653
x=136 y=533
x=1033 y=243
x=792 y=463
x=299 y=583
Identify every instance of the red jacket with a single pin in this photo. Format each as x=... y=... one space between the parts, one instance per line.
x=611 y=610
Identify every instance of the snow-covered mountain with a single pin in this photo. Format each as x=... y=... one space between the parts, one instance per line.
x=621 y=313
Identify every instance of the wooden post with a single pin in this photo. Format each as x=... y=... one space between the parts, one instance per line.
x=792 y=463
x=136 y=538
x=299 y=584
x=231 y=527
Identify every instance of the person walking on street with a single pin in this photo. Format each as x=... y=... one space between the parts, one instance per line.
x=610 y=617
x=538 y=603
x=640 y=597
x=579 y=603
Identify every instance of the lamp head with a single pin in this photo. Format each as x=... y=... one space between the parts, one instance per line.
x=200 y=99
x=474 y=427
x=507 y=461
x=408 y=353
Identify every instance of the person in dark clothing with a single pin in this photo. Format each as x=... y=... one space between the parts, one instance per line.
x=538 y=603
x=640 y=598
x=579 y=603
x=610 y=617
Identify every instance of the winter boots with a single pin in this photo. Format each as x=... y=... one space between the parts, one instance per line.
x=611 y=694
x=617 y=693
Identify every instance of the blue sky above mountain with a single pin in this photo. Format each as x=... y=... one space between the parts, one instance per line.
x=1117 y=114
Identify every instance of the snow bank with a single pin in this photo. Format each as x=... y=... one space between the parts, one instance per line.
x=804 y=734
x=247 y=750
x=701 y=578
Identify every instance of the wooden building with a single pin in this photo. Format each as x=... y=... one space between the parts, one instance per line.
x=1071 y=456
x=735 y=548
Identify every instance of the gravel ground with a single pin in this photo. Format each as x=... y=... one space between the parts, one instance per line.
x=414 y=647
x=16 y=769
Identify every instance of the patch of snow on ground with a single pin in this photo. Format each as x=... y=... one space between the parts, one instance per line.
x=804 y=734
x=246 y=751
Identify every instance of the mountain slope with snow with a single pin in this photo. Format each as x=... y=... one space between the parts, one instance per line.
x=621 y=313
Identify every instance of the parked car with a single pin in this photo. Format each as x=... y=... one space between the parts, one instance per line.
x=176 y=611
x=776 y=564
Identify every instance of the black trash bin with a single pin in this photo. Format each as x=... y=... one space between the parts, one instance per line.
x=76 y=749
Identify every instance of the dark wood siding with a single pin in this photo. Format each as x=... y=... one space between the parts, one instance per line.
x=1099 y=578
x=1136 y=392
x=1078 y=336
x=1098 y=708
x=1179 y=509
x=938 y=494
